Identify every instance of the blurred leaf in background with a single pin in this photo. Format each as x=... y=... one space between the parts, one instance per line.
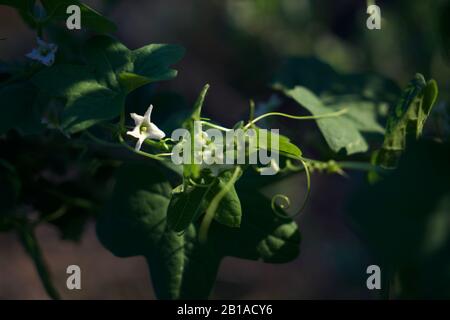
x=405 y=219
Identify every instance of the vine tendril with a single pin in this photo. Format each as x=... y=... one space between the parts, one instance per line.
x=291 y=116
x=276 y=207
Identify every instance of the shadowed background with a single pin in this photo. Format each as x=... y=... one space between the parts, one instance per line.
x=236 y=46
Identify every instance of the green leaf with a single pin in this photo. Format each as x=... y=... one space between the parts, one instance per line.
x=285 y=146
x=197 y=110
x=262 y=235
x=89 y=17
x=134 y=223
x=107 y=58
x=339 y=132
x=154 y=61
x=430 y=94
x=229 y=211
x=320 y=89
x=87 y=101
x=407 y=119
x=132 y=81
x=96 y=92
x=186 y=204
x=115 y=64
x=192 y=170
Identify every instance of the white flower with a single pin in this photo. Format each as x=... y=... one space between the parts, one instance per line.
x=144 y=128
x=44 y=53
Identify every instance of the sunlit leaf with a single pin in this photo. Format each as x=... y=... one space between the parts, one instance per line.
x=96 y=91
x=320 y=89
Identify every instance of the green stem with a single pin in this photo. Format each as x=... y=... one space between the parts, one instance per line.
x=125 y=144
x=31 y=245
x=350 y=165
x=360 y=166
x=142 y=153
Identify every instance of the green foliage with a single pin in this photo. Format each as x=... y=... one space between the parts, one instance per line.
x=70 y=125
x=134 y=223
x=96 y=91
x=87 y=101
x=339 y=133
x=186 y=205
x=407 y=119
x=229 y=211
x=192 y=170
x=285 y=146
x=320 y=89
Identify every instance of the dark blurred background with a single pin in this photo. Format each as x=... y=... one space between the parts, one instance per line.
x=236 y=46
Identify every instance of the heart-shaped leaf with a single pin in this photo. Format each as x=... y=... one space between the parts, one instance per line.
x=96 y=91
x=135 y=223
x=317 y=87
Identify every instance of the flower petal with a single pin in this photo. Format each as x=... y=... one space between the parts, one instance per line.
x=139 y=143
x=48 y=60
x=137 y=119
x=148 y=114
x=135 y=133
x=154 y=132
x=34 y=55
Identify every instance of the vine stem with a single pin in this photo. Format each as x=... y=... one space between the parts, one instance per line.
x=290 y=116
x=31 y=245
x=350 y=165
